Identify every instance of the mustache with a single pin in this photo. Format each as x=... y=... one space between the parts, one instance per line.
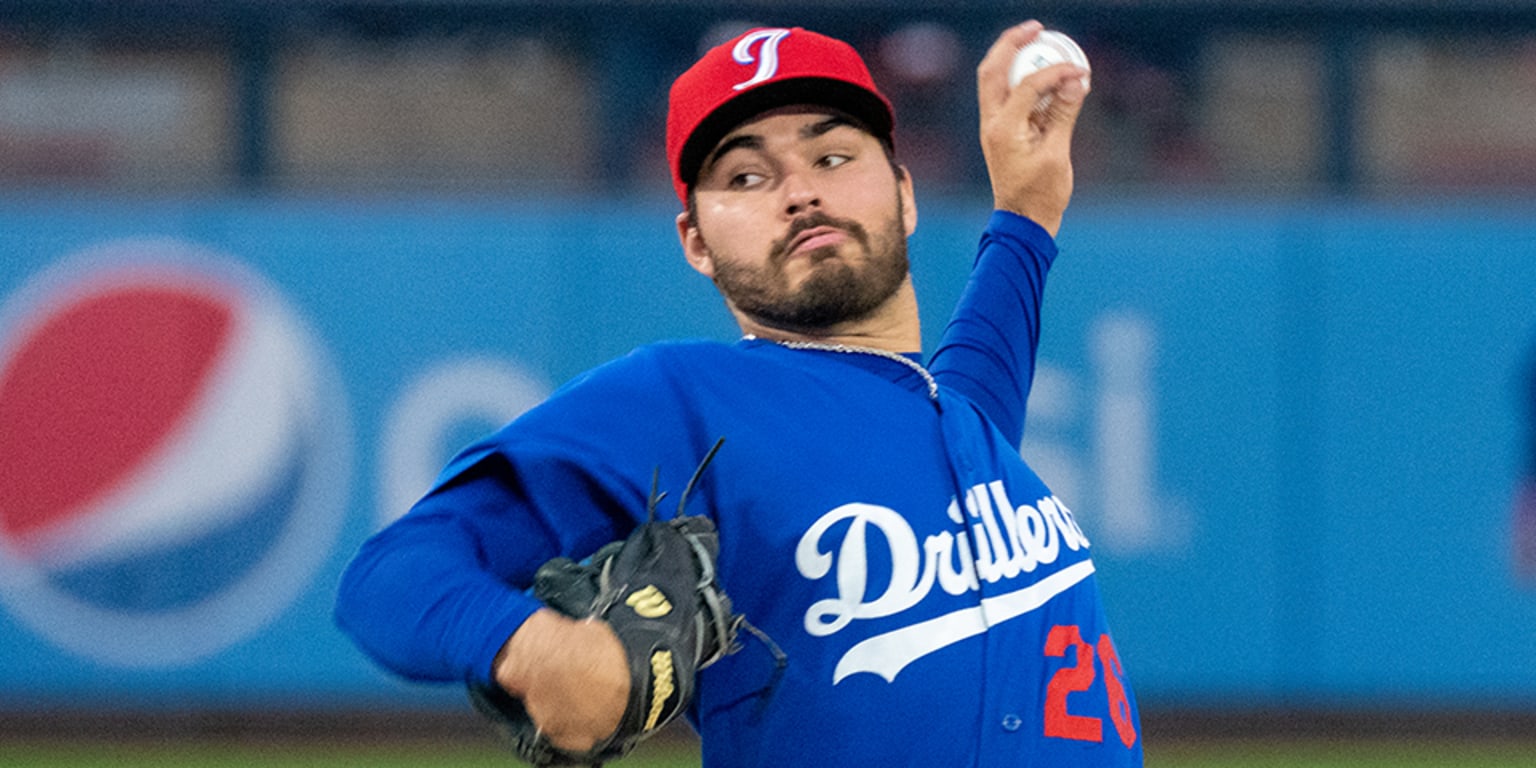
x=812 y=221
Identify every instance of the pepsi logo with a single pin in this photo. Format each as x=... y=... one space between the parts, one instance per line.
x=175 y=454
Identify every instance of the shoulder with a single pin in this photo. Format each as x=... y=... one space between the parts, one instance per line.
x=684 y=351
x=652 y=378
x=647 y=397
x=648 y=365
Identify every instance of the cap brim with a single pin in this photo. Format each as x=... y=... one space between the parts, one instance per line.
x=835 y=94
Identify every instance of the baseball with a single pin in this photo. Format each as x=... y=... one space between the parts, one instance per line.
x=1049 y=47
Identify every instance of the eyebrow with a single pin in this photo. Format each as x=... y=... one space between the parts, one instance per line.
x=825 y=126
x=743 y=141
x=754 y=141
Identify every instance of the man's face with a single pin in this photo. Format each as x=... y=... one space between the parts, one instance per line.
x=801 y=221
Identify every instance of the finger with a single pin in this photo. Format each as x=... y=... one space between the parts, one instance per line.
x=1062 y=110
x=992 y=72
x=1067 y=100
x=1059 y=89
x=1024 y=98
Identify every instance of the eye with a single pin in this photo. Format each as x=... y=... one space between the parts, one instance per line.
x=745 y=180
x=832 y=161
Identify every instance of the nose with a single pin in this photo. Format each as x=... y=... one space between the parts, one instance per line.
x=800 y=194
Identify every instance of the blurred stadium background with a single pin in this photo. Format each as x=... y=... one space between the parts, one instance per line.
x=265 y=263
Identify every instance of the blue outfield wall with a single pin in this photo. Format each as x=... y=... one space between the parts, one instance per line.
x=1293 y=431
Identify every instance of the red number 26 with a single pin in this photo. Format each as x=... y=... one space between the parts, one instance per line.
x=1066 y=639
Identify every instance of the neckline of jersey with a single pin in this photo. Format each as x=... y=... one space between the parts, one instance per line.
x=912 y=361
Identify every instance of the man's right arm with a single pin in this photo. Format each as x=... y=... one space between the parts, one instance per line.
x=571 y=675
x=440 y=596
x=434 y=596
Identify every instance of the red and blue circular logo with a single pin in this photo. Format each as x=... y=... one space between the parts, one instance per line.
x=175 y=454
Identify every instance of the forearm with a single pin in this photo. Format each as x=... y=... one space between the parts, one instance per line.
x=988 y=349
x=436 y=594
x=415 y=600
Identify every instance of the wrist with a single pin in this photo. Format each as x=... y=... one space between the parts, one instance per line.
x=516 y=662
x=1009 y=217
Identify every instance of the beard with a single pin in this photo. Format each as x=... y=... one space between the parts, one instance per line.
x=837 y=290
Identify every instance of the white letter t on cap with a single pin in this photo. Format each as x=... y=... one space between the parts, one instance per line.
x=767 y=63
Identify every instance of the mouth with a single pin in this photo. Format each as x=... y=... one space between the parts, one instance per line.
x=814 y=238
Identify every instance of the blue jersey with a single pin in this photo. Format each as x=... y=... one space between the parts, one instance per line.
x=935 y=600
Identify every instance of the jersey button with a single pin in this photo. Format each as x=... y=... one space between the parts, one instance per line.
x=1011 y=722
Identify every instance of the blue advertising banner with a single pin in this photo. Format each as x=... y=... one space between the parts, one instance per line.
x=1295 y=433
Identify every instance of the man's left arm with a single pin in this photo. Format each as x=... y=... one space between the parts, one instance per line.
x=988 y=350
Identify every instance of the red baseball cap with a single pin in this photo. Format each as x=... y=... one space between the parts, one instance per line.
x=757 y=71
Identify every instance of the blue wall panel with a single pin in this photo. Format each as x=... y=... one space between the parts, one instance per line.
x=1291 y=430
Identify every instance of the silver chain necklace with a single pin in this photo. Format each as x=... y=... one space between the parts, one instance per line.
x=933 y=386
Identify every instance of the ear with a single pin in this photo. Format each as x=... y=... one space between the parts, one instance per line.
x=908 y=201
x=694 y=250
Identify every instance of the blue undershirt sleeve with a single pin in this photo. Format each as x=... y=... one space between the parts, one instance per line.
x=987 y=352
x=435 y=595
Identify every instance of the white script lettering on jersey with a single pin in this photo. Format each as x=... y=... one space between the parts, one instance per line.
x=767 y=56
x=1009 y=541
